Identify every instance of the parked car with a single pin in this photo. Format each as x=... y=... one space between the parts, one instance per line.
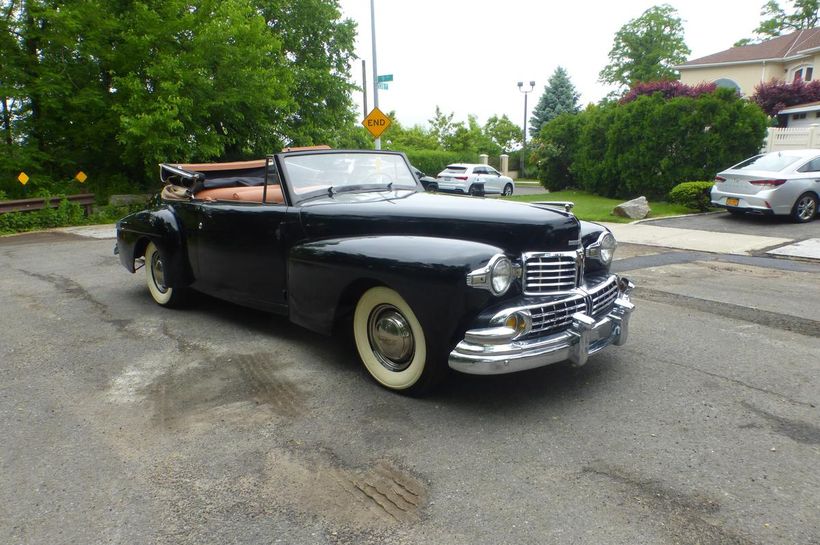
x=781 y=182
x=427 y=182
x=348 y=238
x=473 y=179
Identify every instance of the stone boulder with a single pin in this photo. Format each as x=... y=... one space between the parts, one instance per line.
x=636 y=209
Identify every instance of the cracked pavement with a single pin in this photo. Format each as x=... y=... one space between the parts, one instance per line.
x=123 y=422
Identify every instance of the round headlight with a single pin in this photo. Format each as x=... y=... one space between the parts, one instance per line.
x=501 y=275
x=608 y=246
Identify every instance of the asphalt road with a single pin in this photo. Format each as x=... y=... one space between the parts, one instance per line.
x=123 y=422
x=723 y=222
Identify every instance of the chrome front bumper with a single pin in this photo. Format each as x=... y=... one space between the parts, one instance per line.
x=477 y=354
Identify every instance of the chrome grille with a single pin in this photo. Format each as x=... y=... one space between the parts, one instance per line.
x=603 y=297
x=550 y=272
x=556 y=316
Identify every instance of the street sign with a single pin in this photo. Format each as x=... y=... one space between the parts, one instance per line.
x=376 y=122
x=81 y=177
x=385 y=78
x=382 y=86
x=23 y=178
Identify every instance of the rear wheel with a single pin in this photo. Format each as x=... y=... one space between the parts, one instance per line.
x=474 y=191
x=804 y=208
x=391 y=342
x=155 y=275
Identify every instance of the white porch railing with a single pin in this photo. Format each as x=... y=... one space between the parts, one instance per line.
x=792 y=138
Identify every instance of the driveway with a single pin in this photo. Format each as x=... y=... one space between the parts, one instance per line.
x=723 y=222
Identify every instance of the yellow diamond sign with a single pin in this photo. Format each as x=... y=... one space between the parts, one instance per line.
x=81 y=177
x=376 y=122
x=23 y=178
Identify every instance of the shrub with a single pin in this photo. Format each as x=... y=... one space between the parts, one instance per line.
x=649 y=145
x=774 y=95
x=554 y=151
x=67 y=213
x=694 y=195
x=431 y=162
x=667 y=89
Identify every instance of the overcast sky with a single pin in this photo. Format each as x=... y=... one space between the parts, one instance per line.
x=466 y=56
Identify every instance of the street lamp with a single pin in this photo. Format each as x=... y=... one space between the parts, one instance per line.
x=524 y=146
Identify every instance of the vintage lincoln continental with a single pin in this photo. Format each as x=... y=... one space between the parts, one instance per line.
x=425 y=282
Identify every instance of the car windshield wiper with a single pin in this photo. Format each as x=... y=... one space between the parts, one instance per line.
x=358 y=187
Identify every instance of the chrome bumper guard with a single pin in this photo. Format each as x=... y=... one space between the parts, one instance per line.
x=477 y=354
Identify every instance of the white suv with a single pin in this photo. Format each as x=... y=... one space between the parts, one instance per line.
x=474 y=180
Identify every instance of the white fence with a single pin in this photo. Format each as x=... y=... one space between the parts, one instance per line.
x=795 y=138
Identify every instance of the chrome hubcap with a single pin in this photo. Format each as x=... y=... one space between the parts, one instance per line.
x=391 y=338
x=806 y=208
x=157 y=272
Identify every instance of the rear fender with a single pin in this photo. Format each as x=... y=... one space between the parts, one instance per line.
x=162 y=227
x=326 y=279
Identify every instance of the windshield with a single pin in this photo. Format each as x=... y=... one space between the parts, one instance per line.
x=773 y=162
x=323 y=171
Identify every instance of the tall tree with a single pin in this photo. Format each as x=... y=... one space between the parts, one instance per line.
x=503 y=132
x=559 y=97
x=647 y=48
x=776 y=22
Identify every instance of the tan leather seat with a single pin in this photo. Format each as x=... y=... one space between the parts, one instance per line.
x=245 y=194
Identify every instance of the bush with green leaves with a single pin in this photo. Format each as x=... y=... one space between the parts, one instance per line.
x=695 y=195
x=554 y=151
x=431 y=162
x=649 y=145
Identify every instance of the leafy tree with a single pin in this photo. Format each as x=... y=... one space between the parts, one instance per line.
x=776 y=22
x=113 y=87
x=505 y=134
x=442 y=127
x=559 y=97
x=647 y=49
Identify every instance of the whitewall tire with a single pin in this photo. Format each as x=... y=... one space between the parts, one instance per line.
x=155 y=276
x=390 y=340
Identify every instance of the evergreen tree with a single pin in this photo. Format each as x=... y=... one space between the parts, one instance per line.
x=559 y=97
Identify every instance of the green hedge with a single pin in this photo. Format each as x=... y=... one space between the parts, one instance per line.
x=695 y=195
x=648 y=146
x=431 y=162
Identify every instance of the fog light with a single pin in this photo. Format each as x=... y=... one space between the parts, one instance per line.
x=519 y=321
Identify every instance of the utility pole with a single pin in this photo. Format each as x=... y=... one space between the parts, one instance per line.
x=524 y=144
x=364 y=88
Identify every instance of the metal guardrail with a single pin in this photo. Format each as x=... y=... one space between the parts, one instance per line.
x=86 y=200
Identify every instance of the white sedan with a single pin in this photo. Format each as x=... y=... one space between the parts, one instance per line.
x=781 y=182
x=474 y=180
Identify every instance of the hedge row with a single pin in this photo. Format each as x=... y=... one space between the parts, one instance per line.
x=649 y=145
x=431 y=162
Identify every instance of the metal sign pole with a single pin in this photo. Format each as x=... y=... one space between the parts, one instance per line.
x=375 y=70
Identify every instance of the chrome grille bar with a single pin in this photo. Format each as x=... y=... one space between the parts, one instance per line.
x=550 y=272
x=555 y=316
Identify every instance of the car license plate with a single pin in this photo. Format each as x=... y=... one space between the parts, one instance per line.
x=732 y=202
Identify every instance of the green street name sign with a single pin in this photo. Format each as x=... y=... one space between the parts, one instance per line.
x=384 y=78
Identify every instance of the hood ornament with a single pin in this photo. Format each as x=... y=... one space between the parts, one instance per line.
x=566 y=205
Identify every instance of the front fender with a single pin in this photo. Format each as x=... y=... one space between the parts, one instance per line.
x=326 y=278
x=162 y=227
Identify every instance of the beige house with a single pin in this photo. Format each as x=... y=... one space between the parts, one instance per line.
x=785 y=58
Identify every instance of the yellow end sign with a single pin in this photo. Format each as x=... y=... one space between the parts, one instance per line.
x=376 y=122
x=23 y=178
x=81 y=177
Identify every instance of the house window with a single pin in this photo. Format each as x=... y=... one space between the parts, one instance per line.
x=798 y=116
x=726 y=83
x=803 y=72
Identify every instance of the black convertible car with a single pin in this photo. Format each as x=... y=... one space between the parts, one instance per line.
x=425 y=281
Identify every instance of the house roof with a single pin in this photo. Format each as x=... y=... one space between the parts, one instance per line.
x=781 y=48
x=800 y=108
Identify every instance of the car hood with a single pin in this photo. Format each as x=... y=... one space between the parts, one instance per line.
x=513 y=226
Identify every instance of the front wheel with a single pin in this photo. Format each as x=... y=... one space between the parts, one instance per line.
x=155 y=275
x=391 y=342
x=508 y=190
x=804 y=208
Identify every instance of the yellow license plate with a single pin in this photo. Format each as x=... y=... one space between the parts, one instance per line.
x=732 y=202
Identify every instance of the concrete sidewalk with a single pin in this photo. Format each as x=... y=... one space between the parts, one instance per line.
x=692 y=239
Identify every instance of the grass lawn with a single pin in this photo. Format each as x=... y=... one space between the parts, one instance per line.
x=593 y=208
